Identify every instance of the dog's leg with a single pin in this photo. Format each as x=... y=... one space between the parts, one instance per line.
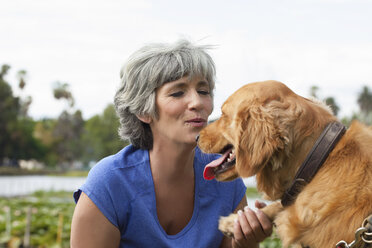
x=226 y=224
x=272 y=210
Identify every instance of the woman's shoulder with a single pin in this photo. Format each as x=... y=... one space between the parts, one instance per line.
x=126 y=159
x=123 y=170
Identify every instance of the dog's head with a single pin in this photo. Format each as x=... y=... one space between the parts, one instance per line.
x=260 y=126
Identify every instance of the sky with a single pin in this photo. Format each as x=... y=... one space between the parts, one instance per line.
x=302 y=43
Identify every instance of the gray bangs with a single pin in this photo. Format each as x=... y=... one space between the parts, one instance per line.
x=184 y=64
x=180 y=61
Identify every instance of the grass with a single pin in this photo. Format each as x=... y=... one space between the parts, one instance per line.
x=14 y=171
x=252 y=192
x=71 y=174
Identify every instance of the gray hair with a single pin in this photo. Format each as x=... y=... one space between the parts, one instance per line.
x=146 y=70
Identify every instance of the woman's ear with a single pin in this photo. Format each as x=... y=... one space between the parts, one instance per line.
x=145 y=118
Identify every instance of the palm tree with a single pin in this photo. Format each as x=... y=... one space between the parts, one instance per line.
x=365 y=101
x=331 y=102
x=61 y=91
x=21 y=77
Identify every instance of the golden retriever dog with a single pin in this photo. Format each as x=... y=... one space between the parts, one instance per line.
x=267 y=130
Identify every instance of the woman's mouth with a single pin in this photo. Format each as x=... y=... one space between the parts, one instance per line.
x=197 y=122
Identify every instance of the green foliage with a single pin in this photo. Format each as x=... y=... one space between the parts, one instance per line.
x=61 y=91
x=16 y=139
x=72 y=173
x=330 y=101
x=271 y=242
x=47 y=211
x=67 y=134
x=9 y=106
x=23 y=144
x=69 y=138
x=365 y=106
x=252 y=192
x=43 y=131
x=101 y=135
x=50 y=211
x=365 y=109
x=365 y=100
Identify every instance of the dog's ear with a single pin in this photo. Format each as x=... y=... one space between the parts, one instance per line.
x=259 y=136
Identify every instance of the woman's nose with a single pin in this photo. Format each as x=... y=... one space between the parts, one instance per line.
x=195 y=101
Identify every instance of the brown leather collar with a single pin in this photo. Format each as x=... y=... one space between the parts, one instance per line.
x=314 y=160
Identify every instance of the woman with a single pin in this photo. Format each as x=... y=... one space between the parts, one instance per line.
x=151 y=193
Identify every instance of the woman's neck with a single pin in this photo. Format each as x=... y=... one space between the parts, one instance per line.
x=171 y=162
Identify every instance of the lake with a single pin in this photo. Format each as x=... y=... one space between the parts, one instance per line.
x=24 y=185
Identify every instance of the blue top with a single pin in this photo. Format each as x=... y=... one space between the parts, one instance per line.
x=122 y=187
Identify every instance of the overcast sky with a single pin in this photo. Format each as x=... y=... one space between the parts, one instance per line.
x=327 y=43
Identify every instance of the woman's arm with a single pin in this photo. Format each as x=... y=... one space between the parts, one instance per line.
x=251 y=227
x=90 y=228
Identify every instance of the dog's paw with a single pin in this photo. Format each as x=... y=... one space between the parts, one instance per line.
x=226 y=225
x=272 y=210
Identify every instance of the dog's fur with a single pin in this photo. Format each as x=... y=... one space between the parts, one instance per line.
x=272 y=129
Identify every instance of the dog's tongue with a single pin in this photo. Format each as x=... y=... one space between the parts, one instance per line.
x=209 y=168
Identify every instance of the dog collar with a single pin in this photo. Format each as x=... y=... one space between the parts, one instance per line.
x=314 y=160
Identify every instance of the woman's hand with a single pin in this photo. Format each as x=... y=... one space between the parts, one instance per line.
x=251 y=227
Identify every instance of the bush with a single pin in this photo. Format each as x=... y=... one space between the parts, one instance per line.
x=51 y=214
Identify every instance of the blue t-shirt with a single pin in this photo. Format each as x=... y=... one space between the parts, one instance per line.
x=122 y=187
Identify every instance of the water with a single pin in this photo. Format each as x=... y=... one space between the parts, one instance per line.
x=24 y=185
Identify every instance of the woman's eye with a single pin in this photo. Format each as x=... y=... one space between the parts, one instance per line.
x=177 y=94
x=203 y=92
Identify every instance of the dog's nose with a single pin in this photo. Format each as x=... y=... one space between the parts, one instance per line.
x=197 y=138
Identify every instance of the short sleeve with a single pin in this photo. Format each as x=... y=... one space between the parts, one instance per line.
x=101 y=187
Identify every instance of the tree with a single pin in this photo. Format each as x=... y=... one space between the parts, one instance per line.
x=16 y=140
x=365 y=105
x=23 y=144
x=330 y=101
x=43 y=131
x=101 y=135
x=365 y=100
x=364 y=114
x=61 y=91
x=9 y=107
x=25 y=101
x=67 y=137
x=68 y=129
x=4 y=70
x=313 y=91
x=21 y=78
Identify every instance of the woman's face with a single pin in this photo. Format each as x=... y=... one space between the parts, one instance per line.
x=183 y=107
